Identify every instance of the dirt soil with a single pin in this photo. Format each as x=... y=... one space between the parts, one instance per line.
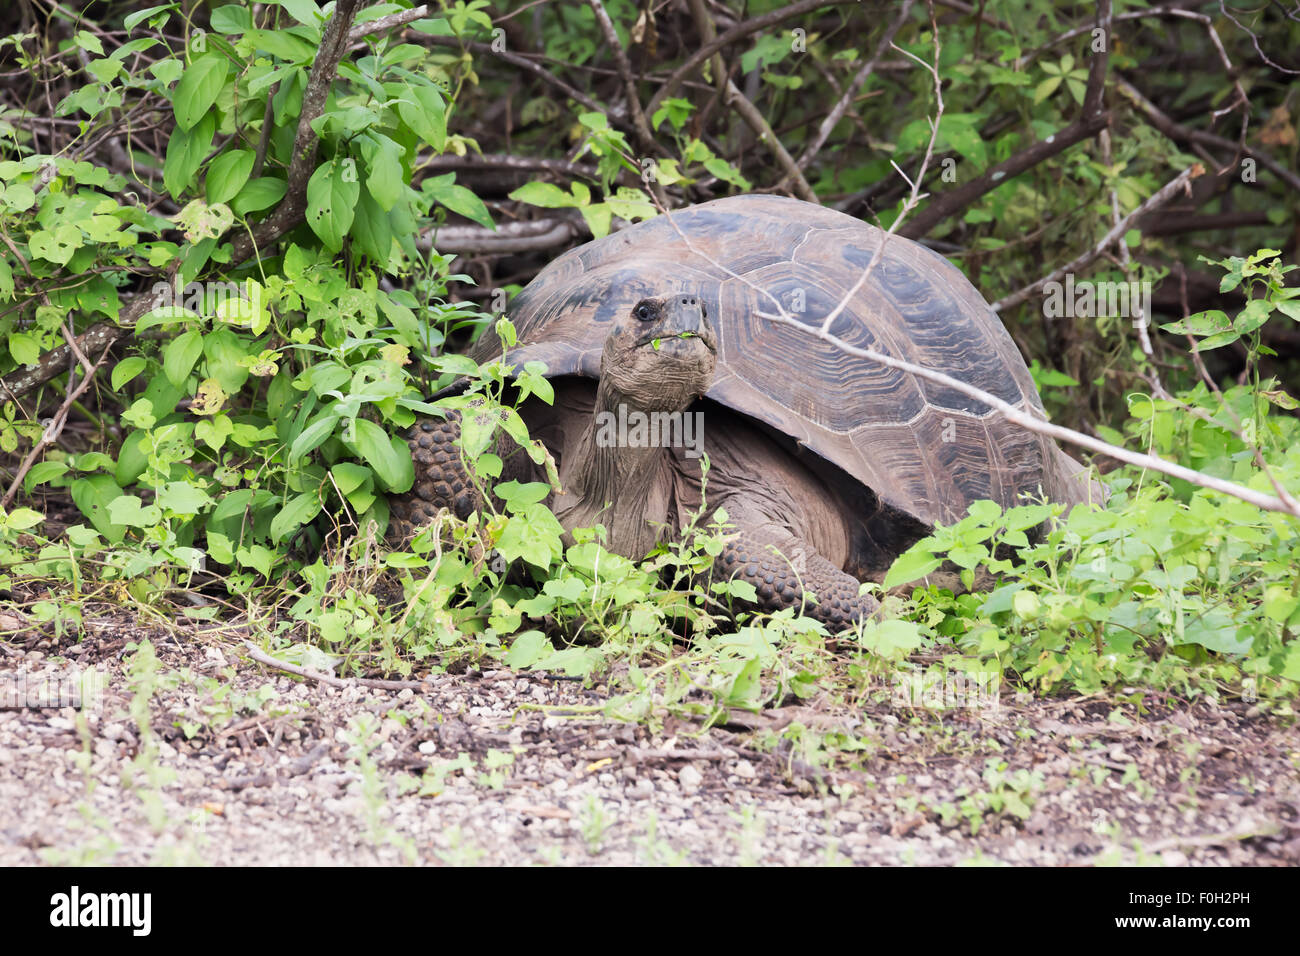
x=541 y=780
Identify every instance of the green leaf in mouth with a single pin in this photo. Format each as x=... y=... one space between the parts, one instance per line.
x=680 y=335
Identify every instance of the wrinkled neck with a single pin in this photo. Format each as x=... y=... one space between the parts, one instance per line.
x=619 y=484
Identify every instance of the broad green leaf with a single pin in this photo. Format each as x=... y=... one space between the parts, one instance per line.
x=305 y=12
x=546 y=195
x=56 y=244
x=746 y=688
x=726 y=172
x=92 y=496
x=180 y=355
x=182 y=498
x=527 y=649
x=19 y=197
x=1279 y=602
x=1202 y=323
x=228 y=173
x=129 y=511
x=573 y=661
x=1026 y=605
x=349 y=476
x=371 y=230
x=186 y=151
x=332 y=194
x=534 y=536
x=219 y=547
x=386 y=180
x=284 y=45
x=198 y=89
x=598 y=218
x=132 y=19
x=131 y=459
x=258 y=194
x=423 y=109
x=517 y=496
x=127 y=369
x=458 y=199
x=1251 y=317
x=232 y=19
x=910 y=566
x=294 y=515
x=224 y=351
x=388 y=455
x=893 y=640
x=258 y=558
x=25 y=349
x=1217 y=341
x=42 y=472
x=313 y=435
x=20 y=519
x=214 y=431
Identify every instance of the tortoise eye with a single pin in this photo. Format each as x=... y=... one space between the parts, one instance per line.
x=644 y=312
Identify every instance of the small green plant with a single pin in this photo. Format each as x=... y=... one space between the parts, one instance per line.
x=594 y=823
x=653 y=849
x=1008 y=794
x=362 y=738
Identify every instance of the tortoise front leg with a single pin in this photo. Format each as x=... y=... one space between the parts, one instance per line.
x=441 y=478
x=787 y=572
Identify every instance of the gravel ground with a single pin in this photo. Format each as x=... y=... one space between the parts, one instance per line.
x=542 y=781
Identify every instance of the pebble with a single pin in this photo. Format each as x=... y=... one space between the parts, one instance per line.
x=689 y=778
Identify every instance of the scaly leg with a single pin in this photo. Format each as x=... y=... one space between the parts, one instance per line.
x=784 y=570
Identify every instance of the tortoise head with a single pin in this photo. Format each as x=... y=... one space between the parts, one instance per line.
x=662 y=353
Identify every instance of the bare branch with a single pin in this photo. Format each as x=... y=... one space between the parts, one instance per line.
x=289 y=214
x=750 y=114
x=500 y=161
x=859 y=78
x=1183 y=134
x=1156 y=199
x=914 y=196
x=401 y=18
x=1091 y=120
x=55 y=362
x=1254 y=42
x=738 y=32
x=55 y=426
x=526 y=236
x=523 y=62
x=639 y=124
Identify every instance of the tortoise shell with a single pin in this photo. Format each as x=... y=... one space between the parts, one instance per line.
x=923 y=448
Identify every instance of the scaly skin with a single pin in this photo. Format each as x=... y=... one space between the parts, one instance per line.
x=441 y=479
x=785 y=572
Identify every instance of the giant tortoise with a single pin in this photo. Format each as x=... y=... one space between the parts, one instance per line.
x=828 y=466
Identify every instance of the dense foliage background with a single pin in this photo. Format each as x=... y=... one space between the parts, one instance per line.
x=357 y=194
